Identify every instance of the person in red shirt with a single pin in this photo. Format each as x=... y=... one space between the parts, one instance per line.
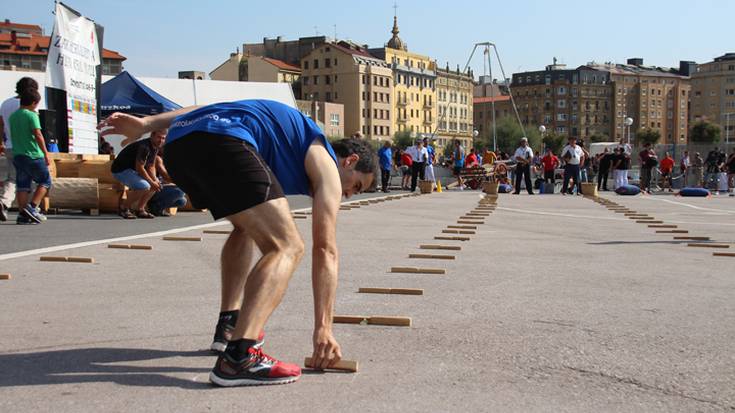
x=550 y=162
x=406 y=164
x=666 y=166
x=471 y=160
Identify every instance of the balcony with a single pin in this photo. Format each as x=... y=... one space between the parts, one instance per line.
x=401 y=102
x=427 y=122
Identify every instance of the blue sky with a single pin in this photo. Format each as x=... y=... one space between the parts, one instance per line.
x=161 y=37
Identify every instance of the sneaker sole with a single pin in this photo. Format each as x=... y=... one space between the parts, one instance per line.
x=219 y=381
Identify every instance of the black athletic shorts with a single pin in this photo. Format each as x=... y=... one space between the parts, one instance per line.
x=223 y=174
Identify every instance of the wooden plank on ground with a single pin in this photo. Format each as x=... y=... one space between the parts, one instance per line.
x=6 y=276
x=694 y=238
x=217 y=231
x=723 y=254
x=416 y=270
x=663 y=226
x=130 y=246
x=390 y=321
x=399 y=291
x=440 y=247
x=452 y=238
x=342 y=365
x=173 y=238
x=432 y=256
x=694 y=244
x=673 y=231
x=645 y=221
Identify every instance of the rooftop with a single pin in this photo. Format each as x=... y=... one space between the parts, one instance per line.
x=38 y=46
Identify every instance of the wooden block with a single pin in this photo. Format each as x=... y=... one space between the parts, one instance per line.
x=673 y=231
x=641 y=218
x=641 y=221
x=440 y=247
x=450 y=231
x=217 y=231
x=349 y=319
x=467 y=232
x=694 y=238
x=476 y=214
x=467 y=217
x=465 y=221
x=119 y=246
x=130 y=246
x=400 y=291
x=373 y=290
x=663 y=226
x=414 y=270
x=344 y=208
x=693 y=244
x=172 y=238
x=407 y=291
x=53 y=259
x=452 y=238
x=432 y=256
x=723 y=254
x=622 y=211
x=80 y=259
x=461 y=226
x=10 y=277
x=390 y=321
x=299 y=216
x=407 y=270
x=342 y=365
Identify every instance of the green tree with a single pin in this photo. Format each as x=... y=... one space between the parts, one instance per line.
x=704 y=132
x=509 y=133
x=601 y=137
x=402 y=139
x=554 y=141
x=648 y=135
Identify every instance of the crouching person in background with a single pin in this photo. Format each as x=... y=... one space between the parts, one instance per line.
x=170 y=195
x=135 y=168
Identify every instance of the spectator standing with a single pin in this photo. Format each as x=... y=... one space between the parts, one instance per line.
x=584 y=167
x=429 y=173
x=419 y=156
x=648 y=161
x=523 y=156
x=550 y=163
x=135 y=168
x=603 y=172
x=713 y=164
x=573 y=156
x=30 y=158
x=406 y=167
x=385 y=157
x=458 y=155
x=667 y=170
x=696 y=170
x=730 y=166
x=684 y=167
x=7 y=176
x=489 y=157
x=471 y=159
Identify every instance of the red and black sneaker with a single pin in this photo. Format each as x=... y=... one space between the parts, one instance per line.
x=256 y=369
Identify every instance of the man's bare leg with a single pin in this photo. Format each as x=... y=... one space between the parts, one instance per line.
x=132 y=199
x=41 y=192
x=274 y=232
x=237 y=257
x=143 y=200
x=21 y=197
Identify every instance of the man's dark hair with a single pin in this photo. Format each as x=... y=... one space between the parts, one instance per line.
x=25 y=83
x=29 y=97
x=368 y=161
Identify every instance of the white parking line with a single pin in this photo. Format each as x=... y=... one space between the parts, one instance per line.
x=688 y=205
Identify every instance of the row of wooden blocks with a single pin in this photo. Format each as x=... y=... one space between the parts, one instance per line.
x=653 y=223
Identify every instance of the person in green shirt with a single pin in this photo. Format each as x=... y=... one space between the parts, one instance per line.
x=30 y=158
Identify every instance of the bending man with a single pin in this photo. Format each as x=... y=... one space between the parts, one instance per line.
x=238 y=159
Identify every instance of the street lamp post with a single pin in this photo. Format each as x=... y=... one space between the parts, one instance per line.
x=628 y=122
x=542 y=129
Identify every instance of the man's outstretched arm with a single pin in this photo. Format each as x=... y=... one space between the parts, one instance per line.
x=133 y=127
x=327 y=193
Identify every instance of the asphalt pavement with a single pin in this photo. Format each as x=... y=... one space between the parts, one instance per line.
x=555 y=304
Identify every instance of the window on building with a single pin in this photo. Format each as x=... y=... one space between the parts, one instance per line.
x=335 y=78
x=316 y=63
x=327 y=79
x=327 y=62
x=561 y=90
x=306 y=80
x=316 y=80
x=328 y=97
x=306 y=65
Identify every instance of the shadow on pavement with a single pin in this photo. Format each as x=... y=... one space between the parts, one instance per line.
x=97 y=365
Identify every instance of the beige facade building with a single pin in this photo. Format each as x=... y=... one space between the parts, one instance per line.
x=258 y=69
x=454 y=92
x=346 y=73
x=653 y=97
x=329 y=116
x=713 y=93
x=414 y=86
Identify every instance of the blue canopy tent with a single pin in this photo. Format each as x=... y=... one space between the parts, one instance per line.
x=125 y=93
